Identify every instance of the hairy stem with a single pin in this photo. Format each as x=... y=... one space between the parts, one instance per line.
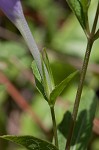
x=79 y=92
x=54 y=125
x=82 y=79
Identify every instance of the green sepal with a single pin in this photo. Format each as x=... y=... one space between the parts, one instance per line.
x=47 y=64
x=38 y=79
x=44 y=83
x=30 y=142
x=60 y=87
x=48 y=80
x=45 y=80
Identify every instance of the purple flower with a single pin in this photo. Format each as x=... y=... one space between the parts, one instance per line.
x=12 y=8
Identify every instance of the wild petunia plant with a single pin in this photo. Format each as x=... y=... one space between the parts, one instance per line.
x=45 y=82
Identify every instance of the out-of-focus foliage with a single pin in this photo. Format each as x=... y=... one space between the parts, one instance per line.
x=54 y=26
x=85 y=116
x=30 y=142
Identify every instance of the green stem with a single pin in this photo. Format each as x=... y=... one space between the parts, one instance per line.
x=79 y=92
x=54 y=125
x=82 y=79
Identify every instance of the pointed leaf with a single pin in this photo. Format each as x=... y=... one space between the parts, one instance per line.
x=47 y=63
x=83 y=127
x=84 y=123
x=30 y=142
x=63 y=130
x=46 y=80
x=80 y=8
x=59 y=88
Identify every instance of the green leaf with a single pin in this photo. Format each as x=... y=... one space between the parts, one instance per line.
x=30 y=142
x=63 y=129
x=84 y=123
x=83 y=127
x=80 y=8
x=38 y=80
x=59 y=88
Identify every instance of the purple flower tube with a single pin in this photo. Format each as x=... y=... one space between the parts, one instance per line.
x=13 y=10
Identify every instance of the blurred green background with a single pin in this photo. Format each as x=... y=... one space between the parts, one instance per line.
x=55 y=27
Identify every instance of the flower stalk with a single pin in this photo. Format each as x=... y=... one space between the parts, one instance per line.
x=54 y=125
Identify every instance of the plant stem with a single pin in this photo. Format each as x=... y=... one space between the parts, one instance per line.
x=82 y=78
x=79 y=92
x=54 y=125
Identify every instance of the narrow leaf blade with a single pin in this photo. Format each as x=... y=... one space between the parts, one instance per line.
x=30 y=142
x=59 y=88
